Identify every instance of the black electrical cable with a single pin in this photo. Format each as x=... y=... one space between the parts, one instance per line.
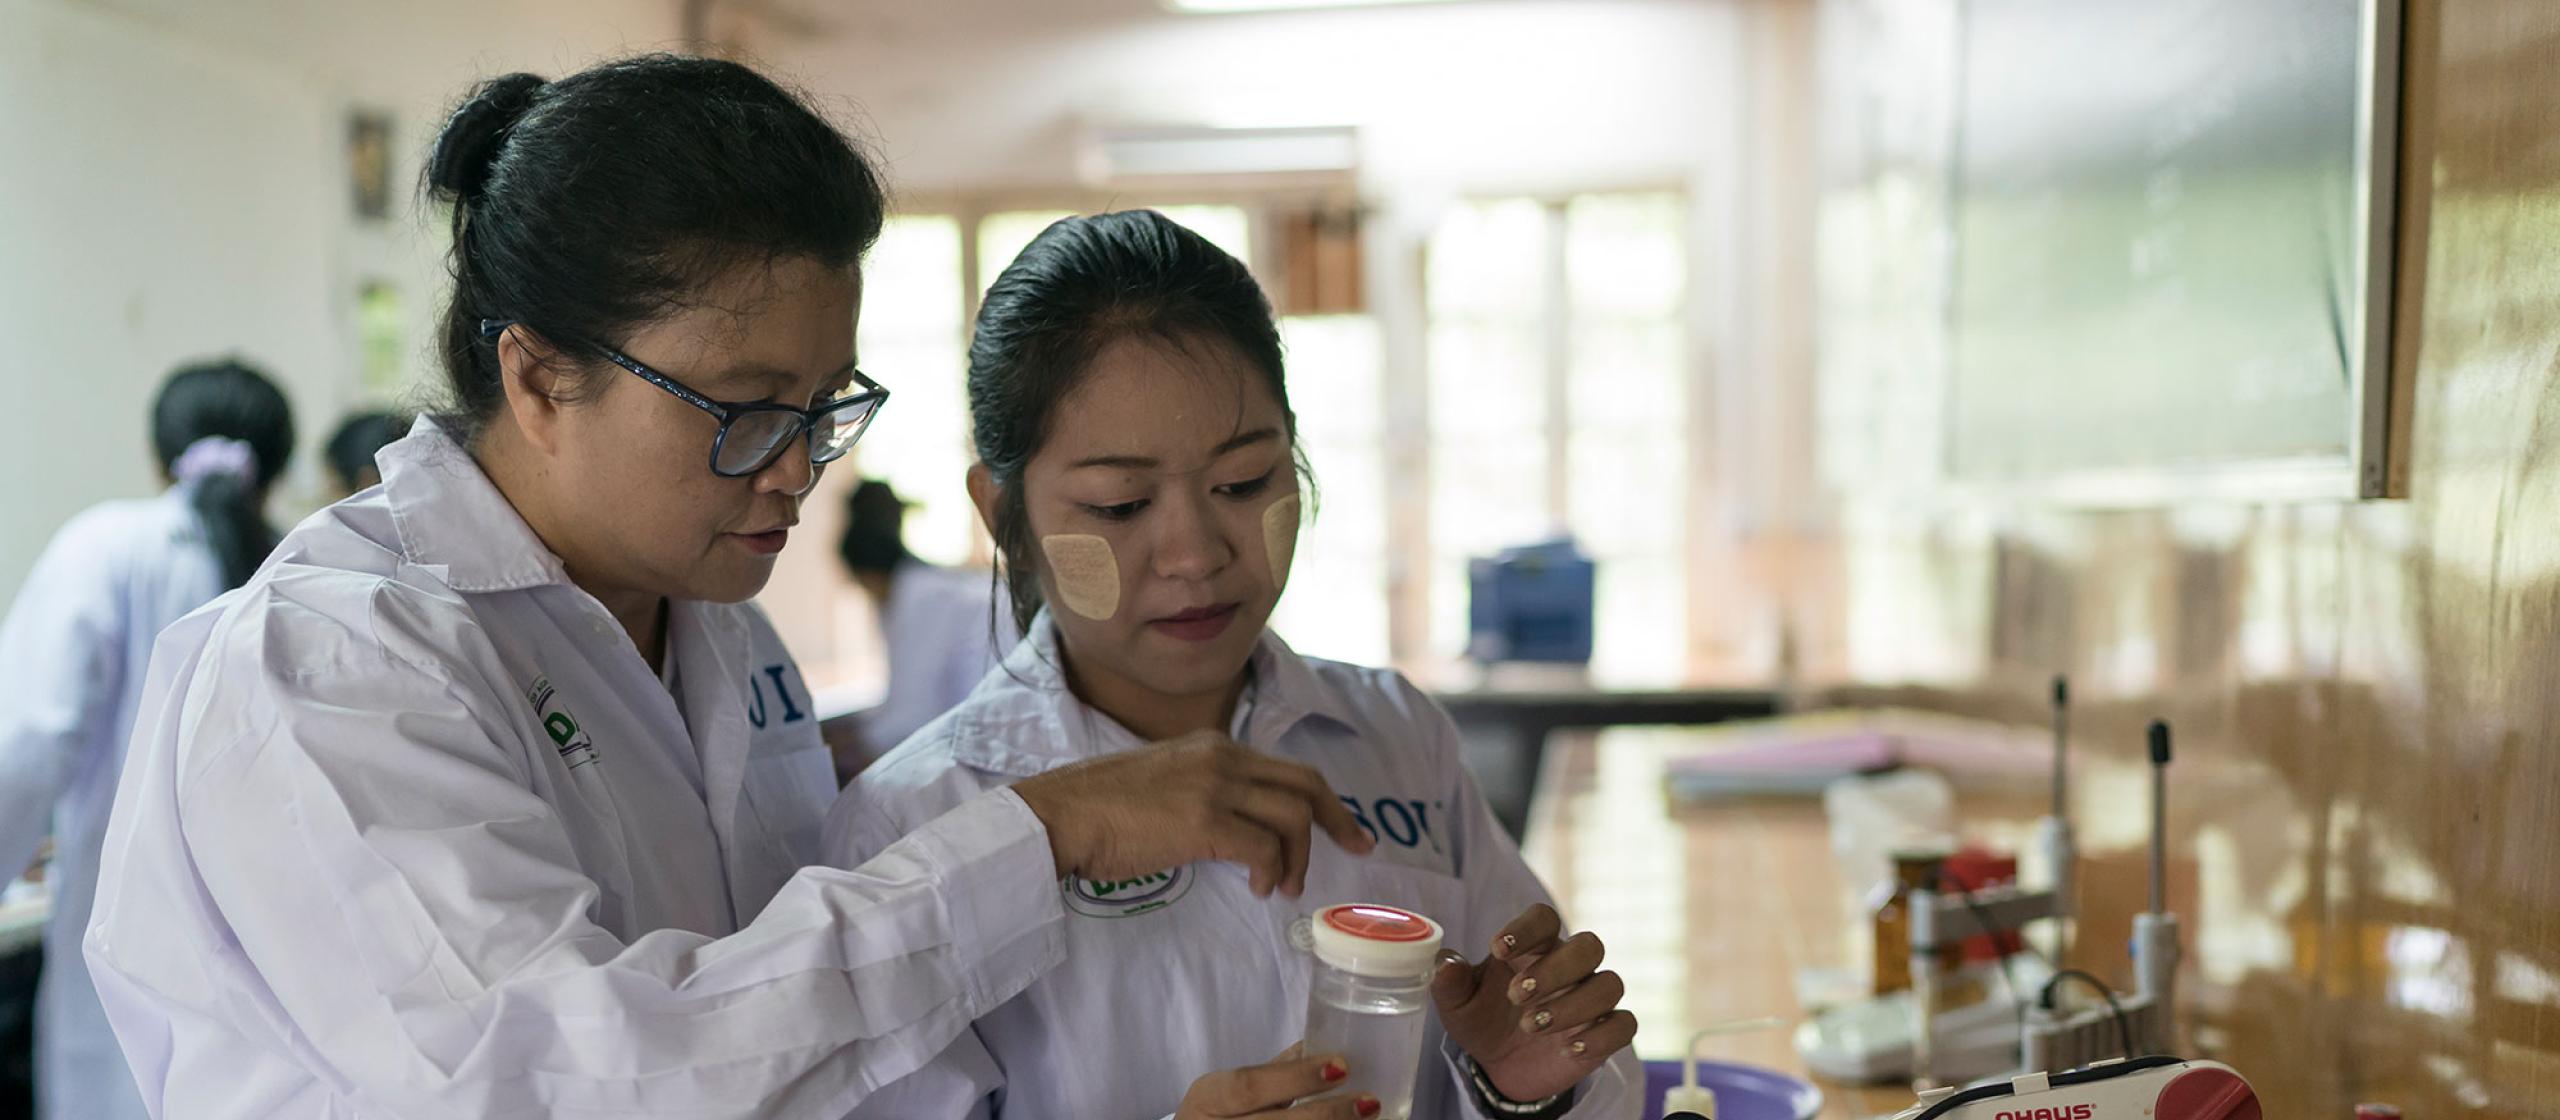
x=1981 y=917
x=2124 y=1026
x=1999 y=1089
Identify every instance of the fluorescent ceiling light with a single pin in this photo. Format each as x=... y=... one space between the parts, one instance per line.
x=1141 y=153
x=1219 y=6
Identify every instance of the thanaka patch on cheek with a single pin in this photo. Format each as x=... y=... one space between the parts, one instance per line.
x=1087 y=575
x=1280 y=538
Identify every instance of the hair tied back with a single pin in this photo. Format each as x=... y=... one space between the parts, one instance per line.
x=467 y=149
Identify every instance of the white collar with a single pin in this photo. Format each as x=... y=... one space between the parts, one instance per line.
x=1055 y=727
x=451 y=516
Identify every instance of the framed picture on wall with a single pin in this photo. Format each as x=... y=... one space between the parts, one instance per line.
x=369 y=163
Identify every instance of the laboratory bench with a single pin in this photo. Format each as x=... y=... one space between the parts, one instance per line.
x=1712 y=910
x=1507 y=718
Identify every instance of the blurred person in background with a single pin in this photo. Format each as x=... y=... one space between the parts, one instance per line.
x=350 y=449
x=72 y=654
x=943 y=628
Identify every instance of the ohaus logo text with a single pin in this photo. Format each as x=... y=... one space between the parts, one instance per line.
x=2065 y=1112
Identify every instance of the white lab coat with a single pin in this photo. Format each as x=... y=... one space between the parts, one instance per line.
x=72 y=655
x=1173 y=976
x=411 y=830
x=941 y=627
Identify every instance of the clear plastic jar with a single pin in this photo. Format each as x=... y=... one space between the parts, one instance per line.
x=1370 y=993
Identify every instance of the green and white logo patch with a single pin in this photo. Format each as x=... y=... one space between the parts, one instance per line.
x=1126 y=898
x=576 y=747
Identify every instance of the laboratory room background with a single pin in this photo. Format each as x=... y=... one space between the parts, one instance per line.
x=1761 y=559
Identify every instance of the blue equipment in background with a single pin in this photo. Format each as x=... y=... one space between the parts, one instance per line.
x=1531 y=603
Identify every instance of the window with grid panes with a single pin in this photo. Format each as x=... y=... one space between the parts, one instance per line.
x=1487 y=380
x=1626 y=276
x=1497 y=307
x=1336 y=606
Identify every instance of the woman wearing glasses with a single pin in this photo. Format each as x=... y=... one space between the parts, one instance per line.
x=490 y=795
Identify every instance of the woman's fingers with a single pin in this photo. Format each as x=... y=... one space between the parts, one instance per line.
x=1564 y=966
x=1309 y=785
x=1534 y=931
x=1288 y=817
x=1197 y=797
x=1453 y=981
x=1360 y=1107
x=1256 y=1090
x=1242 y=840
x=1572 y=1007
x=1593 y=1044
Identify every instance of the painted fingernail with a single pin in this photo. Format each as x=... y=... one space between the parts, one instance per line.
x=1577 y=1048
x=1539 y=1021
x=1528 y=987
x=1509 y=943
x=1333 y=1071
x=1366 y=1106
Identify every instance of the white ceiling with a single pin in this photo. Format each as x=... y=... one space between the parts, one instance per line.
x=936 y=19
x=968 y=94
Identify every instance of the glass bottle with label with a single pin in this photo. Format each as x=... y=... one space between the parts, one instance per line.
x=1913 y=869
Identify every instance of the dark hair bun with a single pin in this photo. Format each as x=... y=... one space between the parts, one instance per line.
x=468 y=147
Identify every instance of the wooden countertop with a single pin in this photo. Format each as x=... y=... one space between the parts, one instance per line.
x=1710 y=912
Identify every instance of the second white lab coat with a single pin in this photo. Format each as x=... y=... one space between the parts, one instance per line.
x=410 y=829
x=1172 y=976
x=72 y=653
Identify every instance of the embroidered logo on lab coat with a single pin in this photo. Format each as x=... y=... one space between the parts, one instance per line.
x=1126 y=898
x=790 y=713
x=575 y=746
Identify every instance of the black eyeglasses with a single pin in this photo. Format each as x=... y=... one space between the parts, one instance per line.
x=752 y=435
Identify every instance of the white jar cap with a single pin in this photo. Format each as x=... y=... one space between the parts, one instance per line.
x=1367 y=939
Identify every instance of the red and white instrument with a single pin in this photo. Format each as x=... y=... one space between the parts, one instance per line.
x=2158 y=1088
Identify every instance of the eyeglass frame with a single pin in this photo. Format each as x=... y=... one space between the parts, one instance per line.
x=728 y=413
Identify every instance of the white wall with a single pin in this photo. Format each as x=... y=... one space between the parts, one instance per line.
x=173 y=185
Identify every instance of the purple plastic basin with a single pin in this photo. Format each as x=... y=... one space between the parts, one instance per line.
x=1742 y=1092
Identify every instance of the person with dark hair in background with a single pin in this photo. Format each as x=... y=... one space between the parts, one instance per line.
x=351 y=448
x=72 y=654
x=943 y=628
x=491 y=795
